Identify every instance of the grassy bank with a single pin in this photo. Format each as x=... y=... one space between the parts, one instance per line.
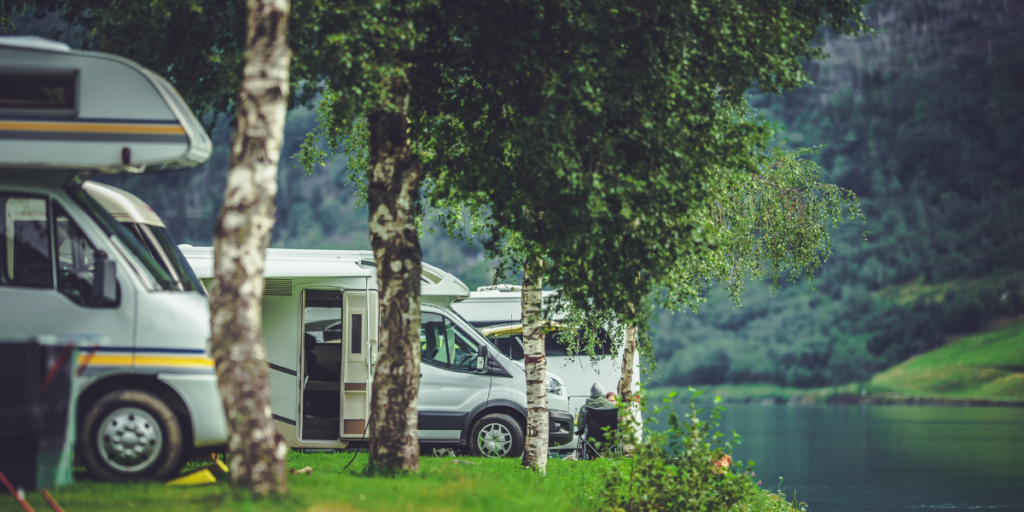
x=441 y=485
x=982 y=369
x=987 y=366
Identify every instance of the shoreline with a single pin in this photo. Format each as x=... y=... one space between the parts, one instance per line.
x=853 y=399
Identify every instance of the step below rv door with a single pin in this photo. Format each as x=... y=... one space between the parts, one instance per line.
x=360 y=335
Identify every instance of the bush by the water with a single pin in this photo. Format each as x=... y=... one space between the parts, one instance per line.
x=687 y=466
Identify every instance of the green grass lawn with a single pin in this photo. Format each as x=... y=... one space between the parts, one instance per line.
x=986 y=366
x=441 y=485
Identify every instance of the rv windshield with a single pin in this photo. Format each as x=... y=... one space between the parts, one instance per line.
x=158 y=241
x=156 y=274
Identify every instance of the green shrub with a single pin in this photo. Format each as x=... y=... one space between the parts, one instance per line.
x=675 y=469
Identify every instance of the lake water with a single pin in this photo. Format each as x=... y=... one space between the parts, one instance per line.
x=847 y=459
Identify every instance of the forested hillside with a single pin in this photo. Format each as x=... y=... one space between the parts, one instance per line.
x=925 y=122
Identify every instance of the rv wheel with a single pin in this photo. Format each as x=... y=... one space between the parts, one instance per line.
x=131 y=435
x=496 y=435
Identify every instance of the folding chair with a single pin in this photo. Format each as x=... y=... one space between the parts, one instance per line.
x=601 y=425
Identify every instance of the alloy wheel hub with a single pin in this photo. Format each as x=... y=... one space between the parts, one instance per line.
x=494 y=440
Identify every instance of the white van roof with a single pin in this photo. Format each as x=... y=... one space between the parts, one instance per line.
x=438 y=287
x=495 y=304
x=121 y=204
x=77 y=110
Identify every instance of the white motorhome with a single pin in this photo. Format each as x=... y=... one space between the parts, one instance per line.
x=148 y=393
x=321 y=328
x=497 y=312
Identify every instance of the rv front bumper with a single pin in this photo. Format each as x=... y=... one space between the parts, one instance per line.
x=560 y=425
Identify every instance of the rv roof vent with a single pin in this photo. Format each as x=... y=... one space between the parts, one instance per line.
x=501 y=288
x=277 y=287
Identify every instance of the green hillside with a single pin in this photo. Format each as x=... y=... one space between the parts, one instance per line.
x=988 y=366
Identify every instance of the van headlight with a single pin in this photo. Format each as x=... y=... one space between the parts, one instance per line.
x=554 y=387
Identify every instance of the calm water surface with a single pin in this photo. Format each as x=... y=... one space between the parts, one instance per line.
x=846 y=459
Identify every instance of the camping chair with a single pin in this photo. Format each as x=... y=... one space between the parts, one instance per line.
x=600 y=425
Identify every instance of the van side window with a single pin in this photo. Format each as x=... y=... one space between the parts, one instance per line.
x=25 y=239
x=76 y=259
x=462 y=349
x=432 y=340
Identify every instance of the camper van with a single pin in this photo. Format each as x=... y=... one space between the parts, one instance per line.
x=496 y=311
x=148 y=394
x=321 y=317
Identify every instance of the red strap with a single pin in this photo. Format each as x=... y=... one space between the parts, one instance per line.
x=61 y=359
x=21 y=501
x=87 y=359
x=49 y=499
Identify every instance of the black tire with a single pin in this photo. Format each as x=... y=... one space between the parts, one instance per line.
x=131 y=435
x=504 y=432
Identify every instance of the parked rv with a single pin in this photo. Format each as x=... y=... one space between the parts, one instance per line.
x=496 y=311
x=321 y=327
x=148 y=394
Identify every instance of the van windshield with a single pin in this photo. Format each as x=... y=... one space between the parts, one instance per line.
x=146 y=264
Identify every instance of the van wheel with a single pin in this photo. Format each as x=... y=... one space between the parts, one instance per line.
x=131 y=435
x=496 y=435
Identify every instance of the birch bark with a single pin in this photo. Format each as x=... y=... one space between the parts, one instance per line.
x=536 y=454
x=393 y=190
x=625 y=389
x=241 y=237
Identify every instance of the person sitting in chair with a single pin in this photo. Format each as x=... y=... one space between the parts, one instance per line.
x=598 y=400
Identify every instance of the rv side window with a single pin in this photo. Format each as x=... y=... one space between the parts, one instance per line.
x=76 y=259
x=25 y=256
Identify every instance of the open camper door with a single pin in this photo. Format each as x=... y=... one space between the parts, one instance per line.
x=360 y=337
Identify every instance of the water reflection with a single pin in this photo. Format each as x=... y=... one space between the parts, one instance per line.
x=886 y=458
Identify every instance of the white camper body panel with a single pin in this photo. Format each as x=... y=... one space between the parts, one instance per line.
x=89 y=110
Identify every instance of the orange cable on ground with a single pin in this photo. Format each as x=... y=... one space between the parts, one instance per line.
x=21 y=501
x=49 y=499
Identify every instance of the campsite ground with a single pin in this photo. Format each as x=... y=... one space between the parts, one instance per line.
x=442 y=485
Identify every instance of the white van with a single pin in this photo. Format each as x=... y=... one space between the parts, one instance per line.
x=149 y=394
x=321 y=327
x=497 y=312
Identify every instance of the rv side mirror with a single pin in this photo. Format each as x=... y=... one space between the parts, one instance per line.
x=481 y=358
x=104 y=283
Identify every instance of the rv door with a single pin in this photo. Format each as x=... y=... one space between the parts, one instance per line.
x=360 y=334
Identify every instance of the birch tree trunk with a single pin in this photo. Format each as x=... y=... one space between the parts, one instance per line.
x=625 y=389
x=394 y=183
x=536 y=454
x=241 y=238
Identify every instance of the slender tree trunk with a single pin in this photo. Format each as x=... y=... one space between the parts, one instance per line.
x=394 y=183
x=241 y=238
x=536 y=454
x=625 y=389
